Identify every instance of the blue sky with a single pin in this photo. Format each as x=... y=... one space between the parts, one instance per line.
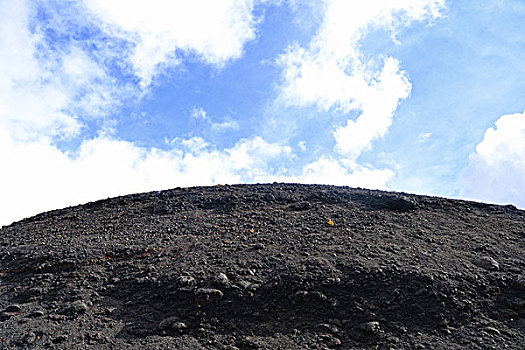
x=104 y=98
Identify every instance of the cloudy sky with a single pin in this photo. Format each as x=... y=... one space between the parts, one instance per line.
x=100 y=98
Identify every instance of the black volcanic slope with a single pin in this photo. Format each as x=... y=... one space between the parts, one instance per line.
x=277 y=266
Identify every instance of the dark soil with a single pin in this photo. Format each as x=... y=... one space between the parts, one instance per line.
x=277 y=266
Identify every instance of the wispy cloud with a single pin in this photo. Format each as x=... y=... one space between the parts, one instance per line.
x=424 y=137
x=333 y=74
x=162 y=30
x=496 y=169
x=199 y=114
x=228 y=124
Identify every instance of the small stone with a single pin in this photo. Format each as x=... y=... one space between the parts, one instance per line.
x=249 y=342
x=517 y=303
x=186 y=280
x=37 y=313
x=221 y=279
x=331 y=281
x=179 y=326
x=166 y=323
x=520 y=283
x=333 y=342
x=393 y=340
x=15 y=308
x=30 y=338
x=98 y=337
x=59 y=318
x=206 y=295
x=230 y=325
x=330 y=340
x=59 y=339
x=244 y=284
x=300 y=294
x=209 y=292
x=172 y=323
x=487 y=263
x=300 y=206
x=492 y=330
x=230 y=347
x=370 y=327
x=76 y=307
x=328 y=327
x=318 y=296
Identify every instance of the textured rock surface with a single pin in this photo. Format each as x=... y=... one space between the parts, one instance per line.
x=265 y=266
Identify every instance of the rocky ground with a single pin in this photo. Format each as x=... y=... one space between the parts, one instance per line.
x=278 y=266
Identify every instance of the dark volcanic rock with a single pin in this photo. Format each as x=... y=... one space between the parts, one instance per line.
x=15 y=308
x=487 y=263
x=265 y=266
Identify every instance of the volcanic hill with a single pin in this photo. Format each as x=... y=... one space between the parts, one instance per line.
x=278 y=266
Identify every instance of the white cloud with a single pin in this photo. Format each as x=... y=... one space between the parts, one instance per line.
x=228 y=124
x=380 y=100
x=50 y=92
x=343 y=173
x=31 y=97
x=46 y=90
x=496 y=169
x=214 y=30
x=41 y=177
x=424 y=137
x=198 y=113
x=332 y=72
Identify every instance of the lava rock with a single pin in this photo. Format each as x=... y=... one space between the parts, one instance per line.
x=76 y=307
x=221 y=279
x=300 y=206
x=186 y=280
x=37 y=313
x=370 y=327
x=492 y=330
x=396 y=203
x=293 y=280
x=59 y=339
x=172 y=323
x=487 y=262
x=15 y=308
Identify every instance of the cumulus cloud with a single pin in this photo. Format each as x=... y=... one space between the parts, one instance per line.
x=335 y=172
x=31 y=97
x=496 y=169
x=215 y=31
x=51 y=87
x=333 y=73
x=41 y=177
x=49 y=90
